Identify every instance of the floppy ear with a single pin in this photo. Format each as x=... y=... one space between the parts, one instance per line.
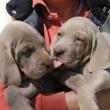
x=53 y=43
x=100 y=56
x=9 y=72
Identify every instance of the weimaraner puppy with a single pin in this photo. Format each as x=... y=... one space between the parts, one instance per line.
x=23 y=60
x=81 y=47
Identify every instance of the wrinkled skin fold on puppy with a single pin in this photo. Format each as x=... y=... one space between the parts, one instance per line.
x=81 y=47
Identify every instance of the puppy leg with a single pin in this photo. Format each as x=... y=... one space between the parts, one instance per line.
x=74 y=82
x=16 y=100
x=86 y=93
x=86 y=99
x=29 y=88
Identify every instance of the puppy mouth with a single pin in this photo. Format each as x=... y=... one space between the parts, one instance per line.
x=57 y=64
x=36 y=76
x=35 y=73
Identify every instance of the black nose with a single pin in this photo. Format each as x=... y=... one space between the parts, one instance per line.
x=58 y=52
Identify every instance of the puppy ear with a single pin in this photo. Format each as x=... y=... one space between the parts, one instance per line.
x=9 y=72
x=54 y=41
x=100 y=56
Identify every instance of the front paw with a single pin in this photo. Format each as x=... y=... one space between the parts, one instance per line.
x=74 y=82
x=16 y=100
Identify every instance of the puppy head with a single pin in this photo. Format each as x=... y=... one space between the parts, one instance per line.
x=74 y=42
x=26 y=47
x=30 y=53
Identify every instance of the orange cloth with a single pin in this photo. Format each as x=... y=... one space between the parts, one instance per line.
x=3 y=103
x=50 y=102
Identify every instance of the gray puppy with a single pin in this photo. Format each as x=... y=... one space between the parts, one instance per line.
x=81 y=47
x=22 y=57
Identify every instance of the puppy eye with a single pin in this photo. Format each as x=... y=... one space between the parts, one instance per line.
x=59 y=34
x=77 y=39
x=27 y=52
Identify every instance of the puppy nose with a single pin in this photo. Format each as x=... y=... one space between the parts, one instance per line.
x=58 y=52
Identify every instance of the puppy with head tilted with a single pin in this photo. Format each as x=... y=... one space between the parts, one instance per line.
x=23 y=59
x=81 y=47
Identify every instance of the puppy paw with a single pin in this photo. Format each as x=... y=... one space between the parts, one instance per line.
x=16 y=100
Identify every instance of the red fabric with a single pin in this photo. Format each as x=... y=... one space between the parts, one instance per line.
x=36 y=2
x=52 y=21
x=3 y=103
x=85 y=12
x=50 y=102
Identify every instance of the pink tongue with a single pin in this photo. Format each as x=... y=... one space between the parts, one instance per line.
x=57 y=64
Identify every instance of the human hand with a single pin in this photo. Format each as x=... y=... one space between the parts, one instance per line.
x=99 y=8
